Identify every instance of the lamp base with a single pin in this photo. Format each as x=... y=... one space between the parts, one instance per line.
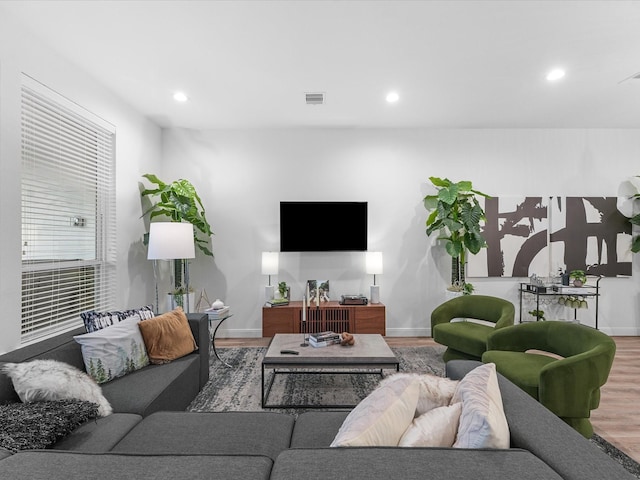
x=269 y=292
x=375 y=294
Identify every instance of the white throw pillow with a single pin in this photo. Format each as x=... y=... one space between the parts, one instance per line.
x=382 y=417
x=434 y=391
x=113 y=351
x=44 y=380
x=436 y=428
x=482 y=421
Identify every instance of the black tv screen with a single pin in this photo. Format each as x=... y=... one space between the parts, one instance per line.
x=323 y=226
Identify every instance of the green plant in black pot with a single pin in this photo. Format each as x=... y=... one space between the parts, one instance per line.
x=179 y=202
x=456 y=214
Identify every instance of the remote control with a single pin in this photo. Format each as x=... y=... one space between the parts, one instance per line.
x=289 y=352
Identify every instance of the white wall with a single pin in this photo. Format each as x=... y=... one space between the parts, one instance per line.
x=242 y=175
x=138 y=143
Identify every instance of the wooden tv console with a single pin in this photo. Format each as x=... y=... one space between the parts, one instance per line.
x=328 y=316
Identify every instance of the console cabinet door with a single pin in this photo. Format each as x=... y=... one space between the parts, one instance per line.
x=371 y=319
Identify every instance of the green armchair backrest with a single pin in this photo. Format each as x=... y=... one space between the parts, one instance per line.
x=481 y=307
x=569 y=387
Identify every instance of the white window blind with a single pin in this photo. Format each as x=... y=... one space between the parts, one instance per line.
x=68 y=212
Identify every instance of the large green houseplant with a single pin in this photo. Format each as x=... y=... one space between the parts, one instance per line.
x=178 y=201
x=628 y=203
x=455 y=214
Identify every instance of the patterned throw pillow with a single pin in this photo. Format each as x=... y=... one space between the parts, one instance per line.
x=27 y=426
x=94 y=321
x=115 y=351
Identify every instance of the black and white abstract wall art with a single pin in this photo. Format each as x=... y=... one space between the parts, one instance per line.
x=541 y=235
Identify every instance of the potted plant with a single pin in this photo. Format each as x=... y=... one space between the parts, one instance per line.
x=179 y=202
x=628 y=203
x=283 y=290
x=579 y=277
x=539 y=314
x=456 y=214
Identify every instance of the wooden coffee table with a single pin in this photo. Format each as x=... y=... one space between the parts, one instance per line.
x=370 y=354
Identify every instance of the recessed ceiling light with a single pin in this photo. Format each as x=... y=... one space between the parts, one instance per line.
x=392 y=97
x=555 y=74
x=180 y=97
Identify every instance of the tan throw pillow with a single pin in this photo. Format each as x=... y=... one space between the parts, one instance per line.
x=482 y=421
x=382 y=417
x=167 y=336
x=436 y=428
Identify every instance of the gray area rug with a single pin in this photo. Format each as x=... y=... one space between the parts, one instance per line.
x=239 y=388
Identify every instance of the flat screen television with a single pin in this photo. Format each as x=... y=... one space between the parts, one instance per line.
x=323 y=226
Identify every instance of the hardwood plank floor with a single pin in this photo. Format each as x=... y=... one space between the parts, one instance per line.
x=617 y=419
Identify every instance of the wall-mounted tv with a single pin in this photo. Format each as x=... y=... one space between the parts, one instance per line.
x=323 y=226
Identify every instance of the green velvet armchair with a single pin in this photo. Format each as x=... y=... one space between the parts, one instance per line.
x=567 y=382
x=467 y=339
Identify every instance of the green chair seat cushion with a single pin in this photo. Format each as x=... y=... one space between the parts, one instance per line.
x=521 y=368
x=464 y=336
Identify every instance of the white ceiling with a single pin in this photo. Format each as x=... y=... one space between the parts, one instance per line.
x=455 y=64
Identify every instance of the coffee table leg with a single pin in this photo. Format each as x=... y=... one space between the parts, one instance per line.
x=265 y=394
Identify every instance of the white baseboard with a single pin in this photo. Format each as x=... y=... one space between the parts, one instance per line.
x=409 y=332
x=240 y=333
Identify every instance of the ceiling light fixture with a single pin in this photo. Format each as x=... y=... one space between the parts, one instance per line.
x=555 y=74
x=392 y=97
x=180 y=97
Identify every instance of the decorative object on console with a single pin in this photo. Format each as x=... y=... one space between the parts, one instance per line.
x=269 y=267
x=284 y=291
x=374 y=267
x=317 y=292
x=173 y=241
x=456 y=214
x=46 y=380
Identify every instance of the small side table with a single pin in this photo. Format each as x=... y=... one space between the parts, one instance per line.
x=213 y=337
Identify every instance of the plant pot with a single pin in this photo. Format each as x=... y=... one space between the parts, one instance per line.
x=449 y=294
x=577 y=282
x=177 y=300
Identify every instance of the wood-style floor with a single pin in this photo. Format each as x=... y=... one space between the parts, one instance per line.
x=618 y=417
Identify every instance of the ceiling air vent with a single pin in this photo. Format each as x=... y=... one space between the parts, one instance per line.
x=635 y=76
x=314 y=98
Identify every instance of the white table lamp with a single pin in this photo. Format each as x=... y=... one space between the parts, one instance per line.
x=269 y=267
x=171 y=241
x=374 y=267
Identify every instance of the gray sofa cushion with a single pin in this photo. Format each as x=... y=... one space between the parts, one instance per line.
x=171 y=386
x=316 y=429
x=4 y=453
x=100 y=435
x=382 y=463
x=221 y=433
x=534 y=428
x=45 y=465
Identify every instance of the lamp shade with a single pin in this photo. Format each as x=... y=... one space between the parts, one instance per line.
x=374 y=263
x=269 y=263
x=171 y=240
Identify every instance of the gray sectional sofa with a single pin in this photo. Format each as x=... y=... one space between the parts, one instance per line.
x=267 y=445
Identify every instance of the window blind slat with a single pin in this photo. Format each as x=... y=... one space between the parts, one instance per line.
x=68 y=213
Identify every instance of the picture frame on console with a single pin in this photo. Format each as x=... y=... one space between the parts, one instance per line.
x=318 y=289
